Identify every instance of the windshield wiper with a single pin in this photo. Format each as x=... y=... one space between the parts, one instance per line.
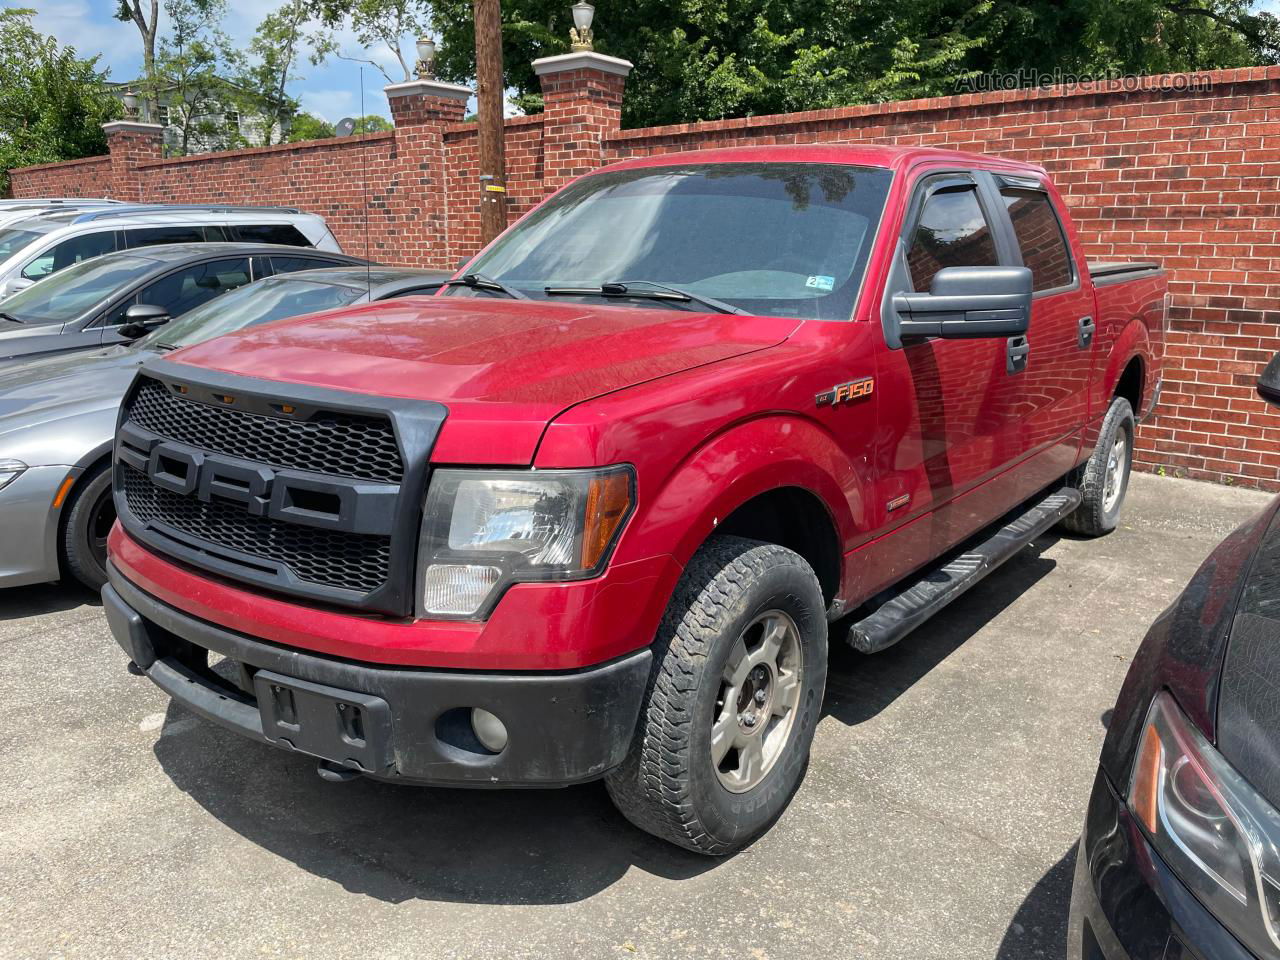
x=11 y=317
x=166 y=347
x=660 y=291
x=478 y=281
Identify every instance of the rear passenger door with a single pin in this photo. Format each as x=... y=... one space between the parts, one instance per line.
x=154 y=236
x=1054 y=387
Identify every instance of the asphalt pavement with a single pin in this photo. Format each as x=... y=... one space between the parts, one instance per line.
x=939 y=817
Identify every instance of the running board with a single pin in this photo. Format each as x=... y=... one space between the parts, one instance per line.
x=927 y=593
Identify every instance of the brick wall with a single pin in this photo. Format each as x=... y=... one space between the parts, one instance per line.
x=90 y=177
x=1155 y=170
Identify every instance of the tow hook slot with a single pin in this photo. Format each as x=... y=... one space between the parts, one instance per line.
x=335 y=773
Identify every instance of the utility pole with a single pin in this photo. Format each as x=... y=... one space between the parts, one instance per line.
x=489 y=94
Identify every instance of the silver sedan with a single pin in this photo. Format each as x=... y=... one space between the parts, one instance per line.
x=58 y=417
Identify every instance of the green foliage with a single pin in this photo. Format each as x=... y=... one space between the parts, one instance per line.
x=372 y=123
x=307 y=126
x=52 y=103
x=706 y=59
x=189 y=70
x=377 y=22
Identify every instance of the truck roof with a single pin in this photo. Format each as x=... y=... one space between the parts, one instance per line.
x=853 y=154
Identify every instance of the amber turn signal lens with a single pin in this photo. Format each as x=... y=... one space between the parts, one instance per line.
x=608 y=499
x=1146 y=778
x=60 y=497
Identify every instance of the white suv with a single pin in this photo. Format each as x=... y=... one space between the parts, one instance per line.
x=33 y=248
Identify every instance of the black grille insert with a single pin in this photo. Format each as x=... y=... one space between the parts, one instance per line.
x=340 y=560
x=332 y=443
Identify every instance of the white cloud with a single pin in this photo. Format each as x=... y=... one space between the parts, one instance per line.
x=80 y=24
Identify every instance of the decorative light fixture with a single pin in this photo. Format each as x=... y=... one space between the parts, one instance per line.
x=426 y=66
x=130 y=100
x=580 y=35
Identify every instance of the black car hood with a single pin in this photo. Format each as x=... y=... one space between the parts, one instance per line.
x=1249 y=695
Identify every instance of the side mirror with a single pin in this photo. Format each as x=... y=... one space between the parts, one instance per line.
x=1269 y=383
x=968 y=303
x=142 y=318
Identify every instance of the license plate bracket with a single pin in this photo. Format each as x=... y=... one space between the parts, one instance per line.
x=342 y=726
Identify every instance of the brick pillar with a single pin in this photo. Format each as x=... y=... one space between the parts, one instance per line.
x=421 y=110
x=130 y=143
x=582 y=103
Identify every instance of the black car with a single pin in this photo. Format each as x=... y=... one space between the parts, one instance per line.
x=1180 y=855
x=117 y=297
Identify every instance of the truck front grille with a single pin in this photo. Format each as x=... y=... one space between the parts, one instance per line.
x=327 y=558
x=331 y=443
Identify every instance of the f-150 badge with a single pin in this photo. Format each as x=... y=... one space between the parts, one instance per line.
x=847 y=392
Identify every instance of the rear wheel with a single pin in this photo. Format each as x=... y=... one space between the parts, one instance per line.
x=740 y=663
x=90 y=514
x=1103 y=479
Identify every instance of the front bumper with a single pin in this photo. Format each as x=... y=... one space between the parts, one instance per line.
x=409 y=724
x=1126 y=904
x=29 y=527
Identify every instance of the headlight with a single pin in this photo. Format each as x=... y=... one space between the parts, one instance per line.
x=484 y=530
x=1212 y=828
x=9 y=470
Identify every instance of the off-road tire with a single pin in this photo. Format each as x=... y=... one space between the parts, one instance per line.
x=80 y=558
x=1093 y=518
x=668 y=785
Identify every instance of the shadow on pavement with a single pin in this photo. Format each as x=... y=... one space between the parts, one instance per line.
x=859 y=686
x=1039 y=928
x=18 y=603
x=399 y=843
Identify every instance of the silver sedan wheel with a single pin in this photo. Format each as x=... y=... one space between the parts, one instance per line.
x=1117 y=468
x=758 y=701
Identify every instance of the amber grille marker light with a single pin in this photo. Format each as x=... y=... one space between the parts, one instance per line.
x=608 y=499
x=1146 y=778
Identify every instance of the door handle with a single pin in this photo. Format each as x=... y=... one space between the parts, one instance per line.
x=1084 y=338
x=1018 y=352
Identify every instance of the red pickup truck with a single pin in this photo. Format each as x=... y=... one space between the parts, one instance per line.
x=595 y=510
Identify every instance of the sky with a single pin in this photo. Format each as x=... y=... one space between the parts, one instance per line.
x=331 y=90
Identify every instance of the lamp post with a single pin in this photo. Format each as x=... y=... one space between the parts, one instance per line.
x=130 y=100
x=580 y=35
x=426 y=65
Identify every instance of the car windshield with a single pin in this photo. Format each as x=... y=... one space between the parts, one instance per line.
x=276 y=298
x=14 y=240
x=776 y=239
x=67 y=294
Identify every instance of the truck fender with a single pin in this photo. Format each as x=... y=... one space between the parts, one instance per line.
x=1132 y=341
x=738 y=464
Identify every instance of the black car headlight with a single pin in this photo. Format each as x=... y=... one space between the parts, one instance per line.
x=1213 y=829
x=483 y=530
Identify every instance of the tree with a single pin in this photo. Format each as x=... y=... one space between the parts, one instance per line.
x=380 y=22
x=264 y=72
x=145 y=15
x=189 y=77
x=372 y=123
x=52 y=103
x=307 y=126
x=721 y=58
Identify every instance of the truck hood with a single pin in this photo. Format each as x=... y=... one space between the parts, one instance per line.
x=504 y=368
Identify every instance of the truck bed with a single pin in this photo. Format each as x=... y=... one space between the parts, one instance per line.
x=1106 y=272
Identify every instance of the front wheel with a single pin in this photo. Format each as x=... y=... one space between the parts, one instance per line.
x=1103 y=479
x=740 y=664
x=89 y=517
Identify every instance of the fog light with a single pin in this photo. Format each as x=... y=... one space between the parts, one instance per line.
x=457 y=589
x=490 y=731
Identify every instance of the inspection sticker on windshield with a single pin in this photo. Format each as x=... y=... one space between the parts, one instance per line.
x=821 y=283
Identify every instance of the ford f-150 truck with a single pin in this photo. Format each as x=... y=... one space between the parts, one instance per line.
x=595 y=510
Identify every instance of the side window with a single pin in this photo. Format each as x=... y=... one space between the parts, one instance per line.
x=291 y=264
x=70 y=251
x=270 y=233
x=1040 y=237
x=197 y=284
x=151 y=236
x=951 y=232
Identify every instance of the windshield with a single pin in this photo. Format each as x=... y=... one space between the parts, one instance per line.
x=11 y=241
x=276 y=298
x=777 y=239
x=67 y=294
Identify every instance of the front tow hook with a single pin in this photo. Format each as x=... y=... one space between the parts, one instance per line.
x=335 y=773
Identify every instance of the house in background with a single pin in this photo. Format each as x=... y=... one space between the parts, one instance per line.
x=215 y=123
